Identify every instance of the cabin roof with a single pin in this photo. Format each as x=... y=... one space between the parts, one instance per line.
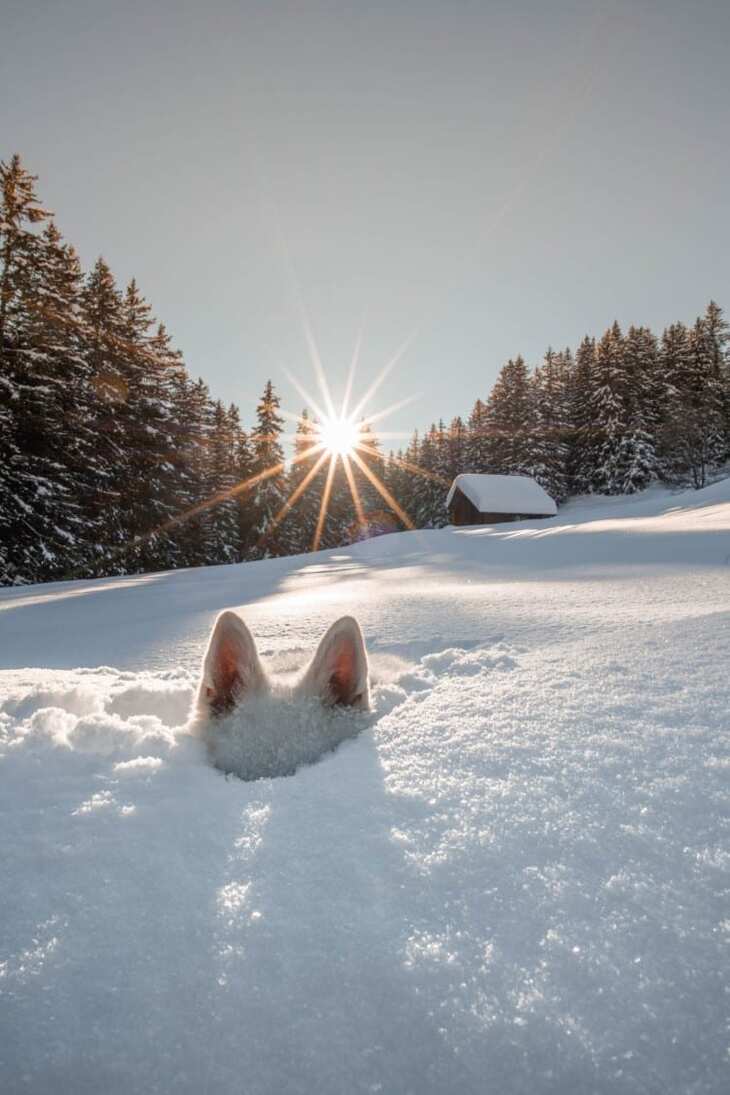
x=504 y=494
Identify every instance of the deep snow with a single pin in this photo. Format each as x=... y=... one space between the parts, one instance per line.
x=514 y=880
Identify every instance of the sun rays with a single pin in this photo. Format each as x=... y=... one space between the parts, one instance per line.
x=340 y=435
x=346 y=437
x=327 y=437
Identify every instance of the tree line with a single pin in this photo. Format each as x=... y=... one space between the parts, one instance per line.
x=113 y=460
x=624 y=410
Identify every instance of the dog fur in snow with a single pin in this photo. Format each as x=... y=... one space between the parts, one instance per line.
x=254 y=727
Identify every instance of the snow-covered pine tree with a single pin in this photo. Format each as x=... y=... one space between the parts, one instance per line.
x=223 y=527
x=165 y=381
x=19 y=246
x=191 y=417
x=149 y=365
x=402 y=482
x=477 y=441
x=637 y=463
x=693 y=435
x=76 y=445
x=101 y=315
x=548 y=445
x=19 y=212
x=269 y=493
x=510 y=418
x=674 y=367
x=415 y=496
x=374 y=508
x=717 y=341
x=442 y=454
x=426 y=503
x=393 y=472
x=583 y=446
x=337 y=529
x=296 y=533
x=40 y=521
x=456 y=445
x=243 y=462
x=608 y=408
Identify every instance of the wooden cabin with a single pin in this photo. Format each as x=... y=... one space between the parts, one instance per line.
x=491 y=499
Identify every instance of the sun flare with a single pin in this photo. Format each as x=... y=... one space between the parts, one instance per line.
x=339 y=436
x=341 y=441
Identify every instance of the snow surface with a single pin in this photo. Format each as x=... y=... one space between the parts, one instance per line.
x=503 y=494
x=514 y=879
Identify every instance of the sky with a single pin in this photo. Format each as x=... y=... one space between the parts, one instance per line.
x=480 y=178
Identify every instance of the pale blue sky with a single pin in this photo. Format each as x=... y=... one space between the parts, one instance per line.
x=496 y=176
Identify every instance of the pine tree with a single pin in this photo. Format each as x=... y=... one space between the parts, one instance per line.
x=477 y=443
x=609 y=413
x=403 y=483
x=584 y=443
x=510 y=417
x=441 y=450
x=148 y=365
x=192 y=418
x=394 y=479
x=19 y=249
x=456 y=447
x=63 y=338
x=243 y=465
x=101 y=315
x=638 y=458
x=717 y=343
x=268 y=494
x=339 y=526
x=693 y=437
x=300 y=522
x=40 y=511
x=223 y=535
x=426 y=504
x=373 y=506
x=550 y=424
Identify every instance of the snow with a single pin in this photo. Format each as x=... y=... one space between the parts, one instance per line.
x=276 y=735
x=513 y=879
x=504 y=494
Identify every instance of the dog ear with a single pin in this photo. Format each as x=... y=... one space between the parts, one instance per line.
x=338 y=673
x=231 y=667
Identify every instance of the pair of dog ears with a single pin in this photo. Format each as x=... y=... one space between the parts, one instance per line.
x=337 y=675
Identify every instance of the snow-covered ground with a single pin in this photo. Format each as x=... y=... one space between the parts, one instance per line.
x=514 y=880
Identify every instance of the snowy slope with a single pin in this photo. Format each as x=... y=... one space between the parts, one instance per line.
x=514 y=880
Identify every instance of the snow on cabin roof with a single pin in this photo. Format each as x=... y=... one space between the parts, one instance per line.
x=504 y=494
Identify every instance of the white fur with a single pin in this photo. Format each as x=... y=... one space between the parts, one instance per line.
x=257 y=728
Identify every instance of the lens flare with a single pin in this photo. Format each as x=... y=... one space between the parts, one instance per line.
x=338 y=435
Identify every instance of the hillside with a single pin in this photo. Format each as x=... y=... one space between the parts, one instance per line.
x=513 y=880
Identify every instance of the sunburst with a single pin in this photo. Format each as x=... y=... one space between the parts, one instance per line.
x=344 y=436
x=336 y=436
x=339 y=435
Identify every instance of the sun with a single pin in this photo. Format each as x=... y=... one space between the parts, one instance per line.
x=340 y=439
x=339 y=435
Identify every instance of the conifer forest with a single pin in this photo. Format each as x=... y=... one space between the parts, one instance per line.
x=114 y=460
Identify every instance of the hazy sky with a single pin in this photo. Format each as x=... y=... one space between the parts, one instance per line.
x=496 y=176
